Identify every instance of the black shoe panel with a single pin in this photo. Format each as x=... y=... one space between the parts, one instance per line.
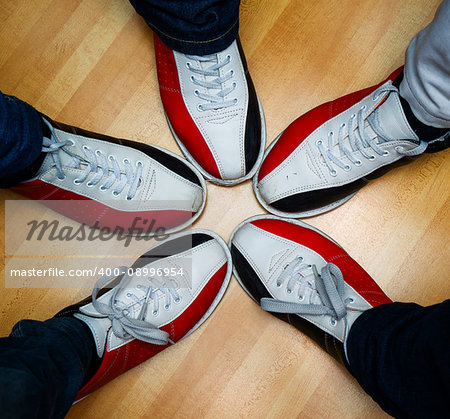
x=307 y=201
x=311 y=200
x=253 y=129
x=327 y=342
x=248 y=276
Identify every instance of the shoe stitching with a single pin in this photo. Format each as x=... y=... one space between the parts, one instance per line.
x=369 y=110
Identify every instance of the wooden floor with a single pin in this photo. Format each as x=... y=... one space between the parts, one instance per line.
x=90 y=63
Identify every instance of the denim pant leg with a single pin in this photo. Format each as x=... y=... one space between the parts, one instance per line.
x=20 y=139
x=42 y=367
x=400 y=354
x=197 y=27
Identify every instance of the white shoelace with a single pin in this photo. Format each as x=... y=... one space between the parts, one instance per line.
x=123 y=325
x=326 y=291
x=216 y=100
x=95 y=163
x=362 y=143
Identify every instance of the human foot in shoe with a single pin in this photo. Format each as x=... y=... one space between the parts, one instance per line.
x=213 y=111
x=325 y=156
x=163 y=297
x=303 y=277
x=108 y=182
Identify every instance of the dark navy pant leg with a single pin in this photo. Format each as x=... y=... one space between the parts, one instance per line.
x=400 y=354
x=42 y=367
x=197 y=27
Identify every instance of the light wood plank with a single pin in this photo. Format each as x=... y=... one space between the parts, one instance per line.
x=90 y=63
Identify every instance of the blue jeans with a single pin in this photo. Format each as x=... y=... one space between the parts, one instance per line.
x=20 y=140
x=42 y=367
x=197 y=27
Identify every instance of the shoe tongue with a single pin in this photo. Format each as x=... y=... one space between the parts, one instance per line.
x=392 y=120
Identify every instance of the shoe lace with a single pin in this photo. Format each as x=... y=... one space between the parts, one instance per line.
x=326 y=291
x=123 y=325
x=216 y=100
x=95 y=163
x=362 y=142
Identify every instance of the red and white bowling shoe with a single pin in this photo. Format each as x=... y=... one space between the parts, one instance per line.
x=213 y=111
x=325 y=156
x=303 y=277
x=166 y=295
x=108 y=182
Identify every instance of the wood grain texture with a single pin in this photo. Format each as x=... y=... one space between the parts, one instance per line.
x=90 y=63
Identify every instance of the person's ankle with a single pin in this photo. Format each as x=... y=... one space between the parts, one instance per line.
x=425 y=132
x=30 y=171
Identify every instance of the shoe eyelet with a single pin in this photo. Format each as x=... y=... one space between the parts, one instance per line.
x=351 y=300
x=300 y=259
x=61 y=178
x=177 y=300
x=85 y=148
x=196 y=92
x=229 y=57
x=386 y=153
x=155 y=312
x=76 y=182
x=372 y=158
x=347 y=168
x=234 y=84
x=363 y=108
x=232 y=73
x=192 y=79
x=128 y=294
x=288 y=291
x=332 y=322
x=98 y=153
x=89 y=184
x=139 y=163
x=278 y=285
x=129 y=198
x=72 y=143
x=200 y=108
x=374 y=98
x=301 y=297
x=353 y=115
x=188 y=65
x=343 y=125
x=102 y=188
x=235 y=100
x=333 y=173
x=320 y=142
x=126 y=161
x=358 y=163
x=115 y=193
x=167 y=307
